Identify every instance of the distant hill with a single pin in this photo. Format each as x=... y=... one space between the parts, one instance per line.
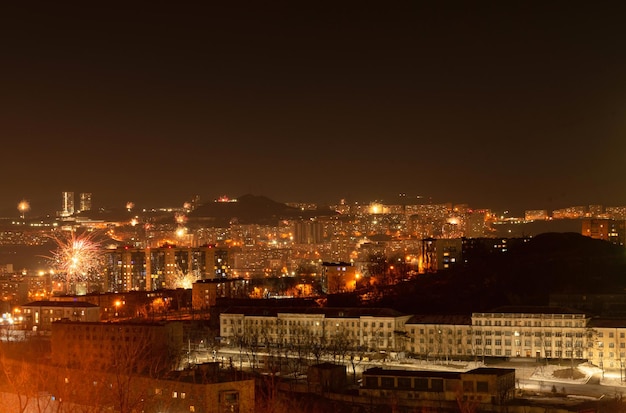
x=250 y=209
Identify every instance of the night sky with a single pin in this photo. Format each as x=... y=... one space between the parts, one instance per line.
x=516 y=105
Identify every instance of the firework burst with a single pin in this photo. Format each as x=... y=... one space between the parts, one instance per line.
x=77 y=257
x=182 y=279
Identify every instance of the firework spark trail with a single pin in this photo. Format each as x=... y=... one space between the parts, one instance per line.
x=77 y=257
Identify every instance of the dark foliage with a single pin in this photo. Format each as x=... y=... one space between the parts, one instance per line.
x=525 y=275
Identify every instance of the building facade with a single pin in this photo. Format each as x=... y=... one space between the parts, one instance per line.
x=492 y=386
x=132 y=347
x=148 y=269
x=40 y=315
x=338 y=277
x=354 y=328
x=534 y=332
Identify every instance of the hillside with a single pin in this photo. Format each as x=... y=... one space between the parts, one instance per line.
x=525 y=275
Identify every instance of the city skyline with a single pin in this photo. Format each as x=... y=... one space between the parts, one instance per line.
x=502 y=106
x=69 y=203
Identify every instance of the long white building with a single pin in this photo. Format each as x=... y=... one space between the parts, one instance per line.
x=366 y=328
x=505 y=332
x=537 y=332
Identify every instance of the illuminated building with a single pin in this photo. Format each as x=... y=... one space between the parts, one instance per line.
x=536 y=214
x=441 y=254
x=308 y=232
x=13 y=291
x=42 y=314
x=370 y=328
x=430 y=211
x=531 y=332
x=222 y=266
x=206 y=292
x=617 y=212
x=569 y=213
x=67 y=205
x=149 y=269
x=605 y=229
x=596 y=211
x=125 y=269
x=131 y=303
x=17 y=289
x=538 y=332
x=341 y=248
x=476 y=223
x=85 y=201
x=338 y=277
x=608 y=343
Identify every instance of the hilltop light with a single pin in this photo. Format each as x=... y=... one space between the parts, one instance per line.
x=23 y=207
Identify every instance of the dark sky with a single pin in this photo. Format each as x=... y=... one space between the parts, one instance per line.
x=505 y=104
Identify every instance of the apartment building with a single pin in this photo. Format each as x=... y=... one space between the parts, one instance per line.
x=339 y=277
x=130 y=346
x=206 y=292
x=148 y=269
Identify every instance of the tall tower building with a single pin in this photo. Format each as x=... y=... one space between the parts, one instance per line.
x=67 y=208
x=308 y=232
x=85 y=201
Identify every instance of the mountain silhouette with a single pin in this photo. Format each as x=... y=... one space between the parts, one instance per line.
x=250 y=209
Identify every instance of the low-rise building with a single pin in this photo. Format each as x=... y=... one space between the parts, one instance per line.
x=87 y=389
x=367 y=328
x=529 y=331
x=607 y=343
x=41 y=314
x=131 y=346
x=493 y=386
x=206 y=292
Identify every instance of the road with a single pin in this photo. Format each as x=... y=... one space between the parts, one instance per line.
x=524 y=372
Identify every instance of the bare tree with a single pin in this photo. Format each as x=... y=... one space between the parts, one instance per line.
x=25 y=376
x=116 y=363
x=356 y=358
x=339 y=344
